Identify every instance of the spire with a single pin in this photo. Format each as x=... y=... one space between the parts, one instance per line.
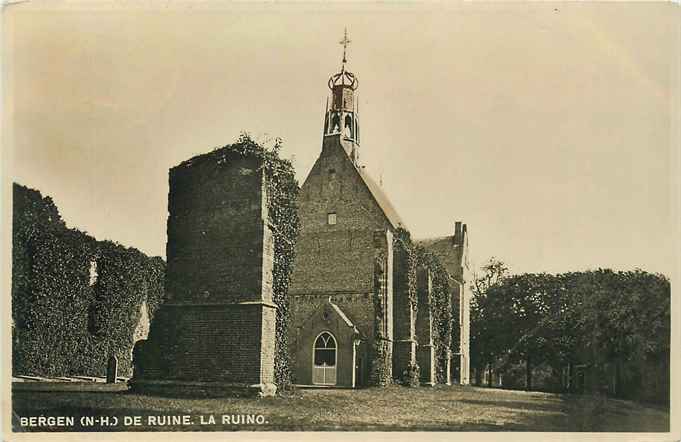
x=344 y=78
x=345 y=42
x=341 y=111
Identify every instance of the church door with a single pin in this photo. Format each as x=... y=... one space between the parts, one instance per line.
x=324 y=360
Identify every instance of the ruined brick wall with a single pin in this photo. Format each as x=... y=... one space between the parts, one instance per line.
x=203 y=343
x=219 y=321
x=75 y=299
x=216 y=234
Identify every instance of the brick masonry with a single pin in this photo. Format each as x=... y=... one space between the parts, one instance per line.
x=338 y=261
x=215 y=334
x=425 y=353
x=344 y=257
x=349 y=259
x=452 y=251
x=404 y=316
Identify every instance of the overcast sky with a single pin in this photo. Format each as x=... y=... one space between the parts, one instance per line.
x=543 y=126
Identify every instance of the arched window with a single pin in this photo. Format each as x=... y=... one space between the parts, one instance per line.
x=349 y=129
x=325 y=350
x=335 y=123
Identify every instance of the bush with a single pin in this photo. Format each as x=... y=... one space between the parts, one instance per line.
x=411 y=375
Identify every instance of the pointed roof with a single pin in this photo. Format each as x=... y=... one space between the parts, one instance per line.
x=335 y=141
x=381 y=199
x=342 y=315
x=337 y=310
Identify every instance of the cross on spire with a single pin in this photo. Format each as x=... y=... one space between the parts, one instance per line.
x=345 y=42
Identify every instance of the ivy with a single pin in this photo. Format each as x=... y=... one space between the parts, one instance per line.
x=409 y=257
x=381 y=363
x=282 y=203
x=404 y=266
x=441 y=309
x=63 y=325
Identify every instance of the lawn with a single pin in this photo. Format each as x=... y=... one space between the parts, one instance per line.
x=395 y=408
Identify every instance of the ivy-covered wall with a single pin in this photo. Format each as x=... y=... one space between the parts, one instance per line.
x=444 y=312
x=405 y=366
x=69 y=314
x=232 y=228
x=282 y=193
x=441 y=309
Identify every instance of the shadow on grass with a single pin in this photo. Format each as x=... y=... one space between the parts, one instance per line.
x=516 y=405
x=391 y=409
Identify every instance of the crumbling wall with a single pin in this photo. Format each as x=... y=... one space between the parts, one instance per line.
x=67 y=319
x=230 y=211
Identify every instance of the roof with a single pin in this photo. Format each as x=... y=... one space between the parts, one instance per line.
x=427 y=242
x=375 y=190
x=381 y=199
x=342 y=315
x=449 y=253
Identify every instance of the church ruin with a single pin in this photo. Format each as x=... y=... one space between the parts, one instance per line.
x=215 y=334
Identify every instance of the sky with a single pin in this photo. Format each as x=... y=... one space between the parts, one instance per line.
x=545 y=127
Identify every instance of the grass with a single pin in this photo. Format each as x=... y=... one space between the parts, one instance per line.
x=441 y=408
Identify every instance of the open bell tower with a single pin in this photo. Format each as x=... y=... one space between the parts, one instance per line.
x=341 y=114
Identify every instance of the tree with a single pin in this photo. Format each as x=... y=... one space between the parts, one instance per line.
x=485 y=337
x=614 y=325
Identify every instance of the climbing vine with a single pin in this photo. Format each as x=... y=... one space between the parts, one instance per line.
x=381 y=363
x=282 y=204
x=65 y=322
x=409 y=257
x=441 y=308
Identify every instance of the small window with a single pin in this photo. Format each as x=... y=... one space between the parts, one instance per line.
x=331 y=218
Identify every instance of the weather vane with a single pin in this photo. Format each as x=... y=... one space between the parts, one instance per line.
x=345 y=42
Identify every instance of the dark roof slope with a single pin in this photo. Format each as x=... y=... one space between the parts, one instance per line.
x=381 y=199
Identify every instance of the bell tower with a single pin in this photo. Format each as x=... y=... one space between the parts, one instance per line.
x=341 y=114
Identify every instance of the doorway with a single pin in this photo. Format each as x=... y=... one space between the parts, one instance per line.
x=324 y=361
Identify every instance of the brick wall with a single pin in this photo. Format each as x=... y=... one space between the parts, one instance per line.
x=358 y=307
x=209 y=343
x=337 y=260
x=218 y=324
x=335 y=257
x=216 y=235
